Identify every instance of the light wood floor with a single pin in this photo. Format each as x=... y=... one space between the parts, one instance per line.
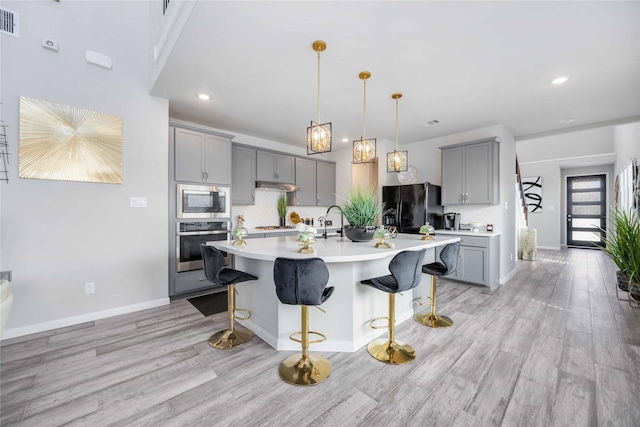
x=553 y=347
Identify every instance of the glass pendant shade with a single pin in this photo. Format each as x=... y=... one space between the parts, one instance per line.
x=364 y=150
x=397 y=161
x=319 y=135
x=318 y=138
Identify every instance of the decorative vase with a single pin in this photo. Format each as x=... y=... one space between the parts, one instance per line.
x=359 y=233
x=283 y=221
x=623 y=280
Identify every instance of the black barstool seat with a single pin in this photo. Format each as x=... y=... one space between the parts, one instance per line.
x=303 y=282
x=215 y=272
x=449 y=257
x=405 y=270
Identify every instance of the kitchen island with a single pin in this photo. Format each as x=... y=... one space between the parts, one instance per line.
x=350 y=308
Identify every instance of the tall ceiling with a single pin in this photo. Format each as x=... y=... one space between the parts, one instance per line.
x=466 y=64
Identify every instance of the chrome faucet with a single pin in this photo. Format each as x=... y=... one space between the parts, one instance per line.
x=323 y=223
x=341 y=220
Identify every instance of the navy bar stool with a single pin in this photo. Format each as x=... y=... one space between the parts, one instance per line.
x=449 y=264
x=405 y=275
x=303 y=282
x=216 y=273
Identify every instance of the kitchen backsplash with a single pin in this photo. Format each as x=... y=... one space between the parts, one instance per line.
x=484 y=214
x=265 y=211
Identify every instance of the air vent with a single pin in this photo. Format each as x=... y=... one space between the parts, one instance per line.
x=9 y=22
x=430 y=123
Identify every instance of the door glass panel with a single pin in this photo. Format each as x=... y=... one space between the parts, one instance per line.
x=586 y=236
x=586 y=210
x=585 y=222
x=585 y=183
x=586 y=197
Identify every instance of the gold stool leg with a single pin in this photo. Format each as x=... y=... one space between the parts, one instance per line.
x=235 y=335
x=432 y=319
x=389 y=350
x=306 y=368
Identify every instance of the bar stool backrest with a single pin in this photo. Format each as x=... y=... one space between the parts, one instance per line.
x=301 y=281
x=449 y=257
x=406 y=269
x=213 y=263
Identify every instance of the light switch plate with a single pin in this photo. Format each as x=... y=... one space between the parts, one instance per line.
x=138 y=202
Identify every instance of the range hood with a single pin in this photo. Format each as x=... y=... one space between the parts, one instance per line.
x=275 y=186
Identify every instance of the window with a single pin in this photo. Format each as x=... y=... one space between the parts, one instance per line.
x=628 y=188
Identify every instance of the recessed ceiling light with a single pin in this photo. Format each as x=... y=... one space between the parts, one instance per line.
x=567 y=120
x=345 y=139
x=559 y=80
x=203 y=96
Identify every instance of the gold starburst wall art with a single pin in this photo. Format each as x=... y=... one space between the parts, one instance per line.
x=66 y=143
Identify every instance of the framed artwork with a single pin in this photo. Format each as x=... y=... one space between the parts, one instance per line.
x=66 y=143
x=533 y=193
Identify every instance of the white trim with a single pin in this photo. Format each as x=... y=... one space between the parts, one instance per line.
x=564 y=159
x=75 y=320
x=504 y=279
x=553 y=248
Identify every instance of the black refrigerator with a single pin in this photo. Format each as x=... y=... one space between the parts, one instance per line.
x=408 y=207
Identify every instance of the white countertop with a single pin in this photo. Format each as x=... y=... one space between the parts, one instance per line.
x=288 y=230
x=468 y=233
x=333 y=249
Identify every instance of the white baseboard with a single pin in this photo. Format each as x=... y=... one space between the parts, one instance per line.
x=75 y=320
x=507 y=277
x=553 y=248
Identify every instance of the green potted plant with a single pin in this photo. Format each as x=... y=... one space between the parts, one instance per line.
x=362 y=210
x=282 y=209
x=622 y=245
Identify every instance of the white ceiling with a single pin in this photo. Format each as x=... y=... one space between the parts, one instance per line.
x=467 y=64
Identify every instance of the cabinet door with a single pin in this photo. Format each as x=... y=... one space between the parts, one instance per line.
x=326 y=184
x=217 y=159
x=285 y=169
x=471 y=266
x=452 y=176
x=306 y=181
x=266 y=166
x=243 y=176
x=478 y=174
x=188 y=155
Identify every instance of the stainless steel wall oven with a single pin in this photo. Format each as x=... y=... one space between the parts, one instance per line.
x=203 y=201
x=189 y=237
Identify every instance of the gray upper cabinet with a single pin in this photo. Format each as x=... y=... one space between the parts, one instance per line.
x=275 y=167
x=202 y=157
x=470 y=173
x=326 y=184
x=306 y=182
x=243 y=175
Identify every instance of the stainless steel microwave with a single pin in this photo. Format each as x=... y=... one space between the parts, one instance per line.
x=203 y=201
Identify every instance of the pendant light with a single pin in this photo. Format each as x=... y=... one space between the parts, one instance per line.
x=397 y=161
x=319 y=135
x=364 y=150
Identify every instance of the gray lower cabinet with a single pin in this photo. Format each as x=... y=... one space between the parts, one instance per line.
x=275 y=167
x=470 y=173
x=478 y=261
x=306 y=182
x=243 y=175
x=325 y=184
x=201 y=157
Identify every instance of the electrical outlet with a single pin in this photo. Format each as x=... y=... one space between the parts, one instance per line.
x=89 y=288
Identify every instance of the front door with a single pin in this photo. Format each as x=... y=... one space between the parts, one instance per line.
x=586 y=210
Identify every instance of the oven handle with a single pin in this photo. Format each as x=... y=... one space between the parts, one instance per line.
x=200 y=233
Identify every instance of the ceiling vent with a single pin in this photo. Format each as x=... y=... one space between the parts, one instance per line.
x=9 y=22
x=430 y=123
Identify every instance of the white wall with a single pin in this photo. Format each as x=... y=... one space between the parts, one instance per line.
x=546 y=157
x=626 y=142
x=57 y=235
